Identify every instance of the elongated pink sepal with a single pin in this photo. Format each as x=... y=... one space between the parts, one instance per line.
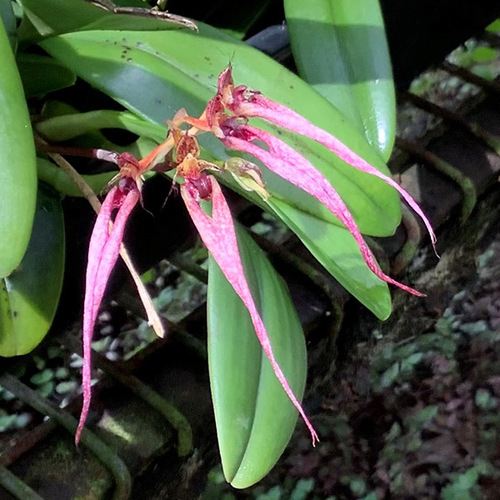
x=104 y=249
x=247 y=103
x=292 y=166
x=218 y=234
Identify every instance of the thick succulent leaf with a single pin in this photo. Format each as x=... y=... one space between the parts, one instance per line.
x=155 y=74
x=340 y=48
x=44 y=18
x=17 y=163
x=337 y=251
x=41 y=75
x=246 y=394
x=29 y=296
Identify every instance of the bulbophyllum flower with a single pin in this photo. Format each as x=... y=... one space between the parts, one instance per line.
x=226 y=116
x=104 y=248
x=216 y=231
x=218 y=234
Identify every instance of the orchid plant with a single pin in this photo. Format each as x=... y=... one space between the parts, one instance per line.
x=225 y=116
x=306 y=165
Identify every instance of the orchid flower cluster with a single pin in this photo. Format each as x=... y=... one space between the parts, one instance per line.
x=225 y=116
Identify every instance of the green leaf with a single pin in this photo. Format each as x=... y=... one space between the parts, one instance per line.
x=61 y=122
x=29 y=296
x=302 y=489
x=254 y=416
x=17 y=163
x=64 y=126
x=154 y=74
x=41 y=75
x=66 y=387
x=483 y=55
x=45 y=390
x=42 y=377
x=336 y=250
x=7 y=422
x=494 y=27
x=340 y=48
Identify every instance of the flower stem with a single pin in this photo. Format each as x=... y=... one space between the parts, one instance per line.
x=59 y=179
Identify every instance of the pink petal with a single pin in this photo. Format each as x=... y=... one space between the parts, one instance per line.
x=289 y=164
x=218 y=234
x=246 y=103
x=104 y=249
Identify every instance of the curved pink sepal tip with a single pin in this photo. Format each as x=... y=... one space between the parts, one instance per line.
x=284 y=161
x=104 y=249
x=218 y=234
x=247 y=103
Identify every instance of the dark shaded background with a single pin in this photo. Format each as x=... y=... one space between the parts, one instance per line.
x=420 y=33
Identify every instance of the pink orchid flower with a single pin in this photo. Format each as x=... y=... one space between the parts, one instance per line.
x=218 y=233
x=219 y=236
x=216 y=230
x=226 y=116
x=104 y=248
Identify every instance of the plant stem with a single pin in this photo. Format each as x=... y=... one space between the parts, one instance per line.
x=59 y=179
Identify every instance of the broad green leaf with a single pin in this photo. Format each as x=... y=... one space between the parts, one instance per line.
x=41 y=75
x=17 y=163
x=337 y=251
x=154 y=74
x=340 y=48
x=44 y=18
x=29 y=296
x=254 y=416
